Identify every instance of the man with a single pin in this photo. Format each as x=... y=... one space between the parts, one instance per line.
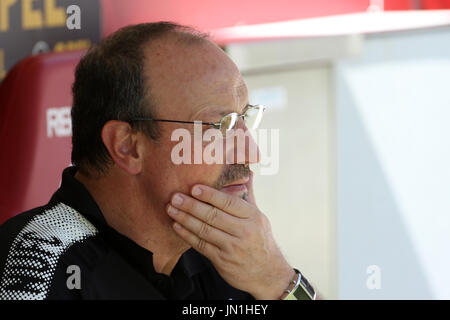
x=129 y=222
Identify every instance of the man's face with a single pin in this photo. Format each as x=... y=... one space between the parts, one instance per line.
x=193 y=82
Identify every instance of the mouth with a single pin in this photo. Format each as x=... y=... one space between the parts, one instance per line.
x=237 y=186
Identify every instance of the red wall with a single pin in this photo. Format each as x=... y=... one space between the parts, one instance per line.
x=435 y=4
x=211 y=14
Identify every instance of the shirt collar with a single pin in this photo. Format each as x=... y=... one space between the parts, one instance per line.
x=74 y=194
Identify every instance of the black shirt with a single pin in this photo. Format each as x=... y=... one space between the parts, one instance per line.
x=66 y=250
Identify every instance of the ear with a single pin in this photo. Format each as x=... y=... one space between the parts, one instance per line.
x=123 y=146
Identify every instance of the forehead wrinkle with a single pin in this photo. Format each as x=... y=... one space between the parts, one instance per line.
x=216 y=110
x=238 y=101
x=240 y=94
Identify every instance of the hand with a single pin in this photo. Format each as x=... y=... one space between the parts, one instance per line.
x=235 y=236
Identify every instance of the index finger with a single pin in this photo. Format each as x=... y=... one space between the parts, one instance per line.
x=226 y=202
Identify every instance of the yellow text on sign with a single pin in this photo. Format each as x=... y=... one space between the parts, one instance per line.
x=32 y=17
x=72 y=45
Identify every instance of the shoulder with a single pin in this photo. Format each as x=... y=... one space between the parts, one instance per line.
x=32 y=245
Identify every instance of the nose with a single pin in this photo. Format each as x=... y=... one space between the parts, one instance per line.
x=243 y=148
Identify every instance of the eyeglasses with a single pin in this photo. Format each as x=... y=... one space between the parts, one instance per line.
x=252 y=118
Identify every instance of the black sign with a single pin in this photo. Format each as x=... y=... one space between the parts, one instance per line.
x=30 y=27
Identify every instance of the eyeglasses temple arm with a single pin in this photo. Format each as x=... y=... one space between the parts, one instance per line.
x=177 y=121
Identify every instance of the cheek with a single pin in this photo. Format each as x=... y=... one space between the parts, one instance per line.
x=181 y=177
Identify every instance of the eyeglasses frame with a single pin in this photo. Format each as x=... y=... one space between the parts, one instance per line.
x=216 y=125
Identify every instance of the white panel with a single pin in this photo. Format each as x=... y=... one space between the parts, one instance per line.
x=393 y=110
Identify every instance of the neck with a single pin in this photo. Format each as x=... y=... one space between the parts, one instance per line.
x=126 y=209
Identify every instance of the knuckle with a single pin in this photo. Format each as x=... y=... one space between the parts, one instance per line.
x=261 y=219
x=204 y=230
x=229 y=202
x=201 y=245
x=225 y=258
x=265 y=222
x=239 y=250
x=212 y=215
x=228 y=246
x=222 y=255
x=227 y=255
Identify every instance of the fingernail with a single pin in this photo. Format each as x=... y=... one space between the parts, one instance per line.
x=177 y=226
x=177 y=200
x=172 y=210
x=196 y=191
